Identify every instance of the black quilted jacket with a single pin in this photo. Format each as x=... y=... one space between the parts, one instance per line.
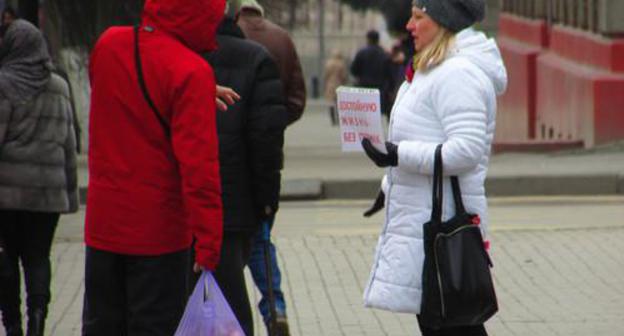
x=251 y=132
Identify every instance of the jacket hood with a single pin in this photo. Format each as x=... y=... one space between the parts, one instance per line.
x=193 y=22
x=484 y=53
x=25 y=63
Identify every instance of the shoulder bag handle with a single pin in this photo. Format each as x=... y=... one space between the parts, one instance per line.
x=437 y=194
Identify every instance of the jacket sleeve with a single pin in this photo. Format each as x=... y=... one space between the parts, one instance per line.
x=67 y=113
x=5 y=117
x=265 y=136
x=195 y=146
x=460 y=102
x=295 y=87
x=72 y=102
x=71 y=172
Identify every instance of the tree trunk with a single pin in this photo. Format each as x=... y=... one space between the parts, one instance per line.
x=72 y=27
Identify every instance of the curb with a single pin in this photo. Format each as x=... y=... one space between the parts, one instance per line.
x=555 y=185
x=545 y=185
x=536 y=185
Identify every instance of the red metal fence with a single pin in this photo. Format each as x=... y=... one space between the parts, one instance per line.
x=583 y=14
x=565 y=60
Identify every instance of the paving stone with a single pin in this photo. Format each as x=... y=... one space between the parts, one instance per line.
x=549 y=282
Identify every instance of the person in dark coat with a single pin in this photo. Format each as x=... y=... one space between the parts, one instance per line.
x=251 y=137
x=251 y=18
x=8 y=15
x=371 y=68
x=38 y=179
x=397 y=73
x=280 y=45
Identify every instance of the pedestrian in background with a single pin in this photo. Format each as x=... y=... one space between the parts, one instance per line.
x=154 y=180
x=397 y=73
x=281 y=47
x=8 y=16
x=335 y=75
x=449 y=98
x=251 y=137
x=371 y=69
x=38 y=179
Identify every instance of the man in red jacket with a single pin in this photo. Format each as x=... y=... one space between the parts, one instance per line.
x=154 y=170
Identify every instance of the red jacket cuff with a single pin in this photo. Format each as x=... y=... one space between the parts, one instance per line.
x=207 y=259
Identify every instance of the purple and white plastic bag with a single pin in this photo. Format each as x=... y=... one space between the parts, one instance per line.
x=207 y=312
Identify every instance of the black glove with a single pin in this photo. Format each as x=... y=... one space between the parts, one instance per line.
x=378 y=205
x=381 y=159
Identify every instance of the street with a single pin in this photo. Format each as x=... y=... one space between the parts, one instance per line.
x=558 y=268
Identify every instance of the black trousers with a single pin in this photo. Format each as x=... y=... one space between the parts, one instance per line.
x=230 y=276
x=134 y=295
x=456 y=331
x=27 y=237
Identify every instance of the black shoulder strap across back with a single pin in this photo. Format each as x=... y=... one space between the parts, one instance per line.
x=139 y=67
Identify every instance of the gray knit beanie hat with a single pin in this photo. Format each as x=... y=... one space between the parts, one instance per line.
x=454 y=15
x=252 y=4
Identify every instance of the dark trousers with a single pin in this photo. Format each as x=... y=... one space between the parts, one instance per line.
x=456 y=331
x=27 y=237
x=134 y=295
x=230 y=276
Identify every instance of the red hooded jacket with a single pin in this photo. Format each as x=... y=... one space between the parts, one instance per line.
x=149 y=193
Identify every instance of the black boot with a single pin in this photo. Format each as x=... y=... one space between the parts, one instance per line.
x=12 y=320
x=281 y=326
x=36 y=322
x=15 y=330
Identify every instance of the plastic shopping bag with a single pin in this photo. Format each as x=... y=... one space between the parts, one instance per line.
x=207 y=312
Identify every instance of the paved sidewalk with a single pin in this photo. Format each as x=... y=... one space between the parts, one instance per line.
x=313 y=153
x=316 y=168
x=559 y=269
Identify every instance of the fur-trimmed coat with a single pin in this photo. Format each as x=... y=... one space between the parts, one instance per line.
x=38 y=152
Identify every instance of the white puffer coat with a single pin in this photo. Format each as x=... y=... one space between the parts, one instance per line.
x=453 y=104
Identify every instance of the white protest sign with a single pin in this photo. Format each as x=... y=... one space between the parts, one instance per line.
x=359 y=112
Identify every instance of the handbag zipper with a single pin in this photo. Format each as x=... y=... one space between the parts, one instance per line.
x=437 y=264
x=439 y=284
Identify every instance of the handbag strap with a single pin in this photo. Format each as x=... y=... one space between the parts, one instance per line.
x=437 y=194
x=139 y=68
x=459 y=203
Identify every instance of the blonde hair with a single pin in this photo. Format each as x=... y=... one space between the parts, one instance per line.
x=436 y=52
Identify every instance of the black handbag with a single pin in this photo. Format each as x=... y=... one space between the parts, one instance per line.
x=457 y=284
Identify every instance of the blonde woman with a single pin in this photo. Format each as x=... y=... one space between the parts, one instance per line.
x=449 y=98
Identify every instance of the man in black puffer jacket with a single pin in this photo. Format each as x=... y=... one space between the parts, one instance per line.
x=251 y=138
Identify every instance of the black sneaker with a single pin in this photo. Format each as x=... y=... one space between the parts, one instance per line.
x=15 y=330
x=281 y=326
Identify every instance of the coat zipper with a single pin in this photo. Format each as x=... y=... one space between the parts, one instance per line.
x=390 y=185
x=390 y=169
